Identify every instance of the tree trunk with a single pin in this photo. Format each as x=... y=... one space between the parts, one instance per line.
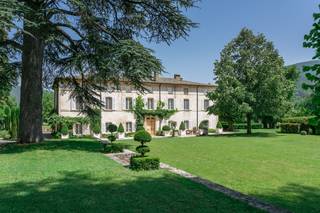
x=249 y=130
x=30 y=125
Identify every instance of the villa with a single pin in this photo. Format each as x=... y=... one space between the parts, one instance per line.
x=187 y=97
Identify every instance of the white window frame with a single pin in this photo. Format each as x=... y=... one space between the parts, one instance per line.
x=109 y=106
x=187 y=124
x=151 y=105
x=170 y=105
x=184 y=104
x=204 y=104
x=129 y=103
x=129 y=126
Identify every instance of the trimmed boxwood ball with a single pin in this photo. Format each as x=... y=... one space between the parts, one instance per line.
x=112 y=128
x=166 y=128
x=144 y=163
x=139 y=127
x=120 y=128
x=143 y=150
x=112 y=138
x=142 y=136
x=64 y=130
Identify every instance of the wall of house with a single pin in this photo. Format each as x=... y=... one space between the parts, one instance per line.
x=118 y=114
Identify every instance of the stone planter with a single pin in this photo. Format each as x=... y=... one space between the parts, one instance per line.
x=182 y=132
x=219 y=131
x=95 y=135
x=120 y=135
x=167 y=133
x=65 y=136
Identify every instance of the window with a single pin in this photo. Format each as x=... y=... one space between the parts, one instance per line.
x=206 y=104
x=78 y=129
x=128 y=126
x=108 y=103
x=128 y=103
x=186 y=123
x=170 y=103
x=170 y=90
x=107 y=125
x=186 y=105
x=150 y=103
x=78 y=103
x=185 y=91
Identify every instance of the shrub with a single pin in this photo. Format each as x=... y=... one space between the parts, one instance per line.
x=112 y=138
x=112 y=128
x=182 y=126
x=114 y=148
x=143 y=150
x=96 y=128
x=219 y=125
x=142 y=136
x=204 y=125
x=120 y=128
x=5 y=134
x=303 y=132
x=166 y=128
x=289 y=127
x=139 y=127
x=300 y=120
x=130 y=134
x=64 y=130
x=244 y=126
x=144 y=163
x=211 y=130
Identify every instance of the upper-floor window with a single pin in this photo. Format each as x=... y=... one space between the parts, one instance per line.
x=128 y=126
x=79 y=104
x=205 y=104
x=128 y=103
x=170 y=90
x=170 y=103
x=150 y=103
x=185 y=91
x=108 y=103
x=186 y=104
x=187 y=125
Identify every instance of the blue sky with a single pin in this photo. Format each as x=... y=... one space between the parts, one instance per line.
x=284 y=22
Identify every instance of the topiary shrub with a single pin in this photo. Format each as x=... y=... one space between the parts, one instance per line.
x=139 y=163
x=303 y=132
x=114 y=148
x=166 y=128
x=64 y=130
x=204 y=125
x=139 y=127
x=112 y=138
x=182 y=126
x=120 y=128
x=219 y=125
x=112 y=128
x=143 y=137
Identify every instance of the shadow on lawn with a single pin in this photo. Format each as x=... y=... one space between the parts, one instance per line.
x=253 y=135
x=295 y=197
x=78 y=192
x=68 y=145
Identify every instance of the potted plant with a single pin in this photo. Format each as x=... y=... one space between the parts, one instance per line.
x=64 y=132
x=203 y=127
x=219 y=128
x=182 y=129
x=120 y=134
x=166 y=129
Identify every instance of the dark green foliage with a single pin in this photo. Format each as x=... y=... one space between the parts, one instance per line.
x=114 y=148
x=112 y=138
x=14 y=122
x=112 y=128
x=5 y=134
x=166 y=128
x=289 y=128
x=219 y=125
x=142 y=136
x=64 y=130
x=144 y=163
x=204 y=125
x=95 y=121
x=143 y=150
x=182 y=126
x=300 y=120
x=303 y=132
x=244 y=126
x=139 y=127
x=252 y=80
x=47 y=105
x=120 y=128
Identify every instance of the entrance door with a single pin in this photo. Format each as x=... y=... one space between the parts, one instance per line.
x=151 y=125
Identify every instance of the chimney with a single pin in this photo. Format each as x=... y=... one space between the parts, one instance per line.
x=178 y=77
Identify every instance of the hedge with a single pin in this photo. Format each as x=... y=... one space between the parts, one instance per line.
x=244 y=126
x=290 y=128
x=144 y=163
x=300 y=120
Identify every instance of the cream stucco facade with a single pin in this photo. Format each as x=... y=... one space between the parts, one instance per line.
x=178 y=92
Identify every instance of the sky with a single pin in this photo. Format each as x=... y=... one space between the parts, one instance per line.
x=284 y=22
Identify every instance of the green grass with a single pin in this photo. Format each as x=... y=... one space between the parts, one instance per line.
x=73 y=176
x=281 y=169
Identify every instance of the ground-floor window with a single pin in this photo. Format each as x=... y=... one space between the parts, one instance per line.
x=78 y=129
x=128 y=126
x=107 y=125
x=186 y=123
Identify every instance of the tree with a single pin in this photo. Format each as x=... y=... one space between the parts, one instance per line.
x=252 y=81
x=47 y=105
x=90 y=43
x=312 y=40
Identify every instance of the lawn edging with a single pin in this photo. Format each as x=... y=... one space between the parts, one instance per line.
x=124 y=159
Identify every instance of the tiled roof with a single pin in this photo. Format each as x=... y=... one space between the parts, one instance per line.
x=165 y=80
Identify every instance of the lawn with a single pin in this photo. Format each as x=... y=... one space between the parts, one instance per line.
x=73 y=176
x=281 y=169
